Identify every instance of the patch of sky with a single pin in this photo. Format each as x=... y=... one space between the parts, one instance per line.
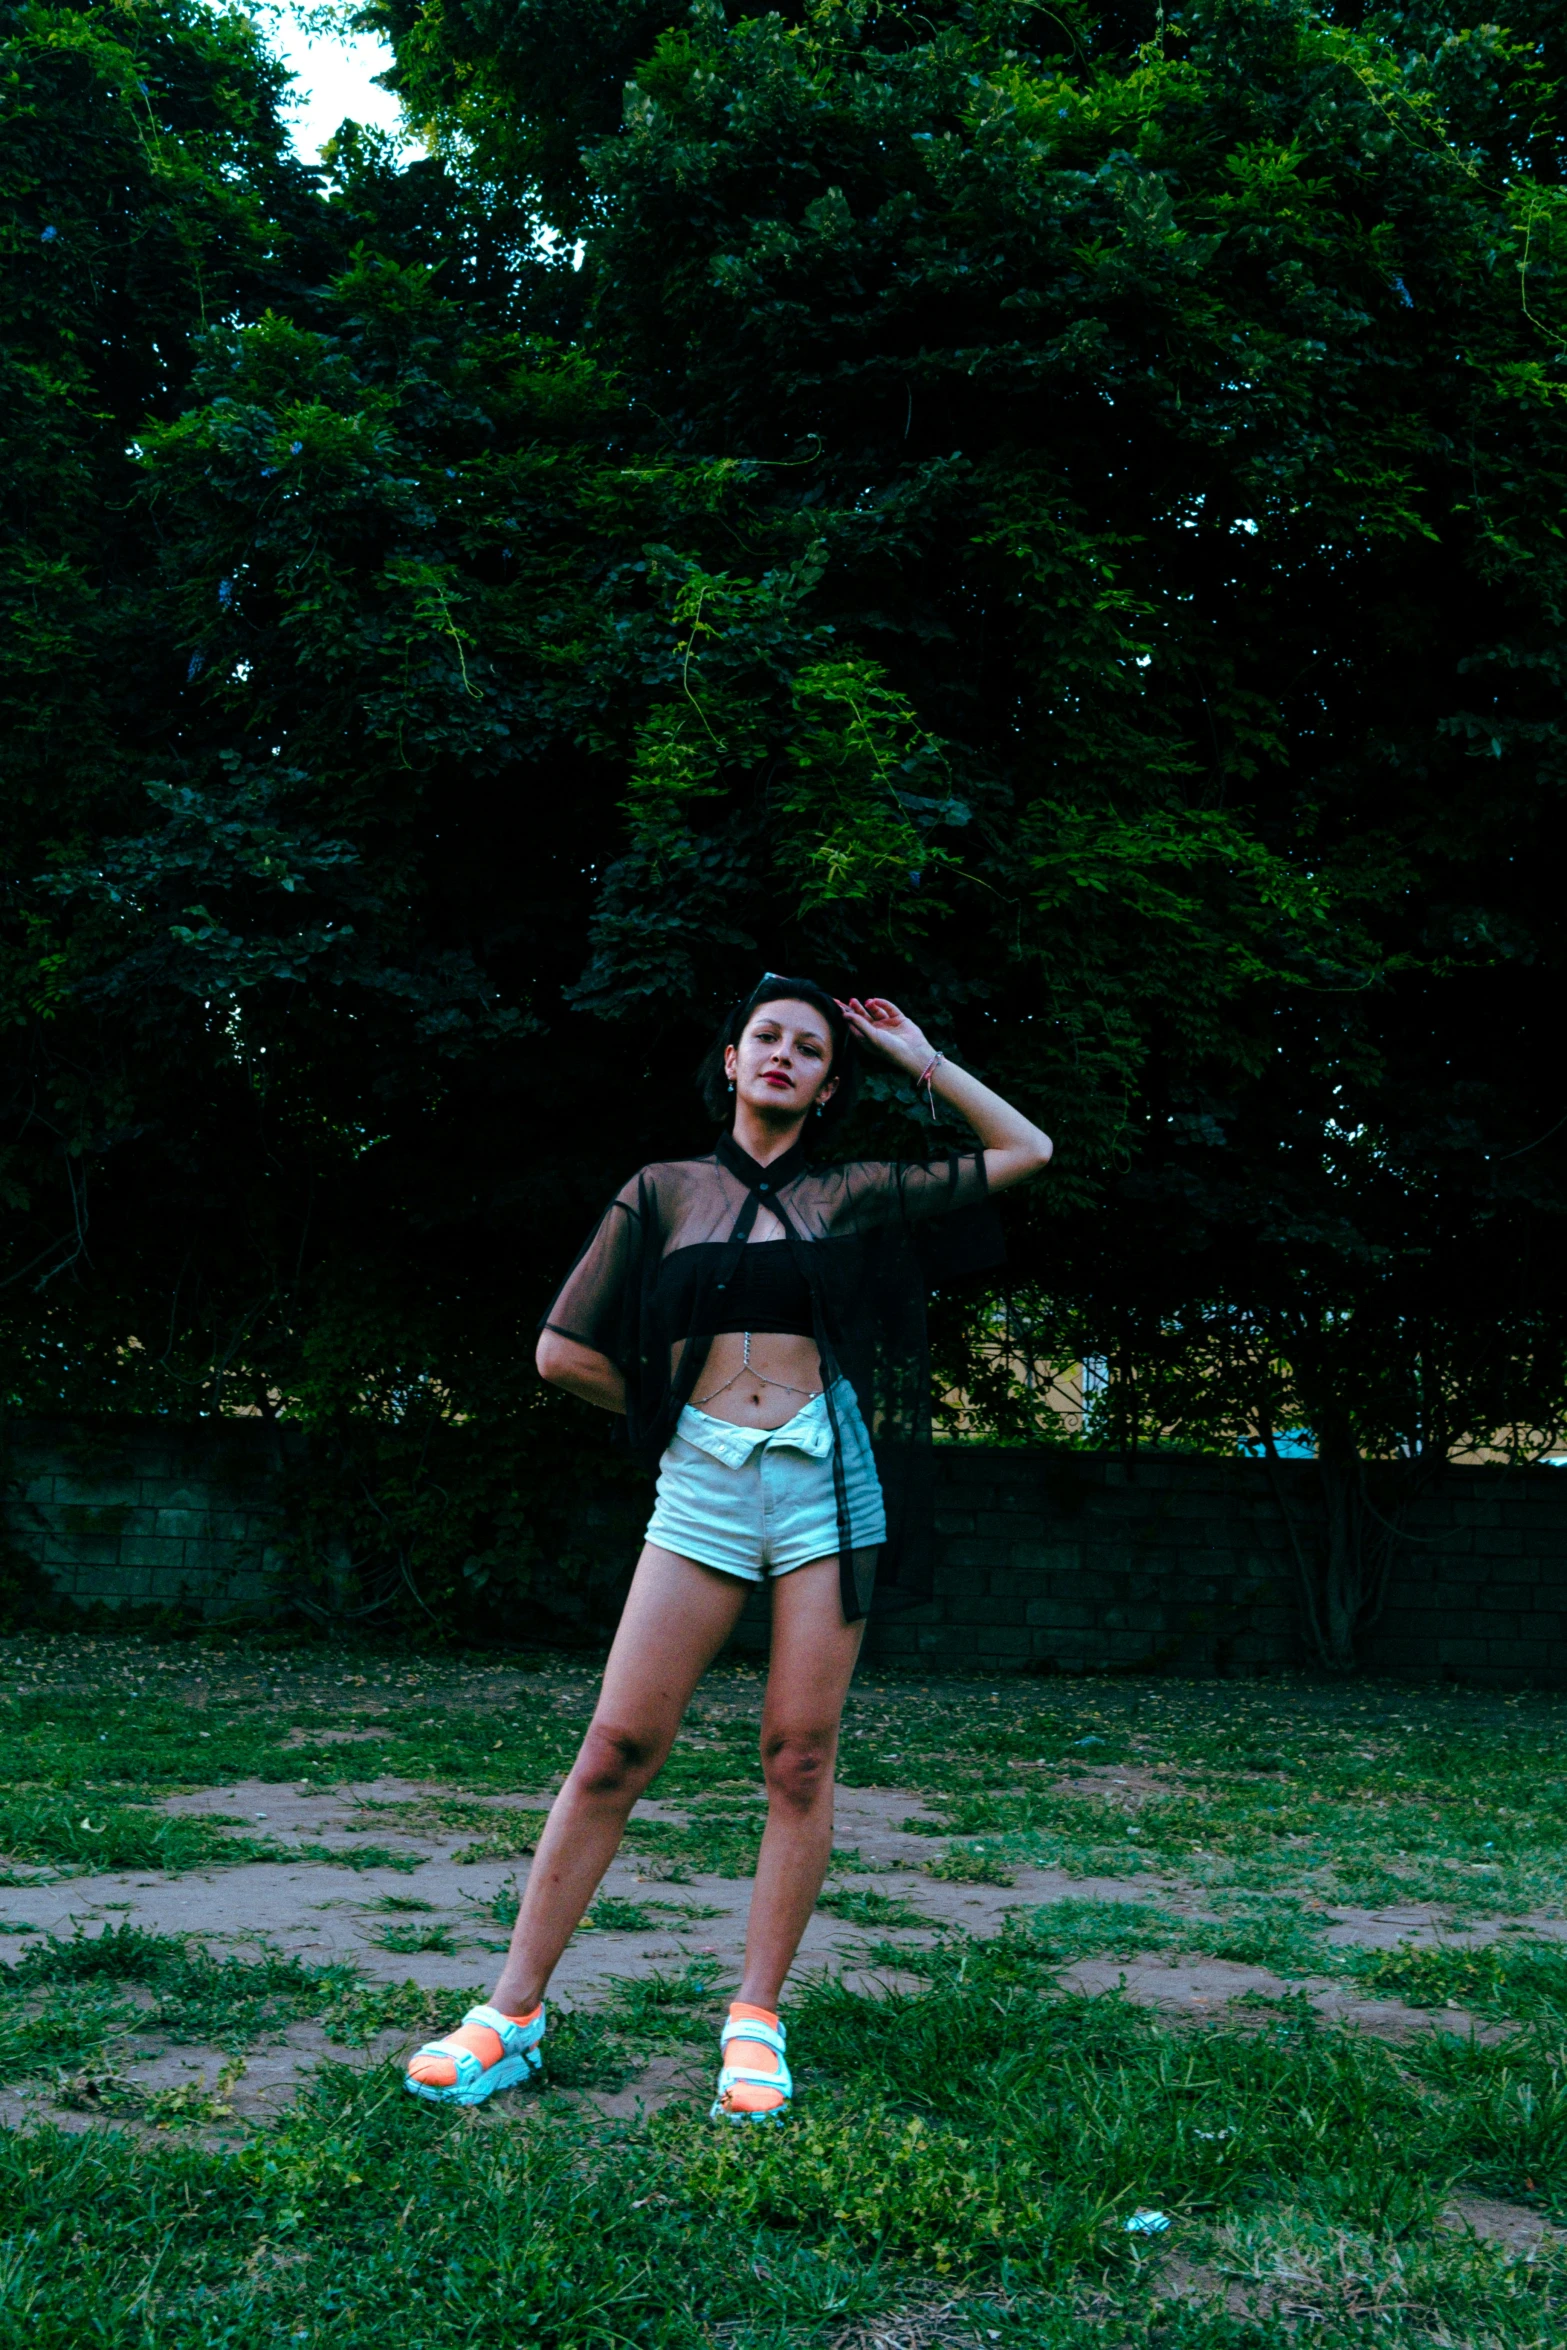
x=334 y=71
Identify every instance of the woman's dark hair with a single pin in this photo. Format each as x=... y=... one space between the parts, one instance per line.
x=775 y=987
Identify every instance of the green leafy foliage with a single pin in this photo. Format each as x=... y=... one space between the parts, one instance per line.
x=1050 y=515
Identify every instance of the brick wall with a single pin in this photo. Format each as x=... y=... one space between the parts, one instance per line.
x=1046 y=1561
x=148 y=1513
x=1074 y=1562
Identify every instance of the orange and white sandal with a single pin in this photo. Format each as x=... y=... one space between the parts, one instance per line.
x=745 y=2092
x=488 y=2051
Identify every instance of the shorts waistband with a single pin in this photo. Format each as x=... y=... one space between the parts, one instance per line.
x=810 y=1432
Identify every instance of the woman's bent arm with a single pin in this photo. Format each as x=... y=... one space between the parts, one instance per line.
x=1013 y=1145
x=581 y=1370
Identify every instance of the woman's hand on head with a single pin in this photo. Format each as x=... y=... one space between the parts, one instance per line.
x=888 y=1032
x=1013 y=1145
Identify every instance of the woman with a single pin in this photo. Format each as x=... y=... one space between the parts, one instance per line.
x=752 y=1314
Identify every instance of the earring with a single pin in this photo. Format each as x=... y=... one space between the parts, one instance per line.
x=819 y=1108
x=731 y=1085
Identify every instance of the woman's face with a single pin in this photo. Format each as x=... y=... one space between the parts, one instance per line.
x=783 y=1062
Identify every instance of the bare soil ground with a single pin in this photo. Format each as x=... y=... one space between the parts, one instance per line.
x=321 y=1912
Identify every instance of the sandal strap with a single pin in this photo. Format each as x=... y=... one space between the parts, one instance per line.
x=771 y=2036
x=733 y=2074
x=516 y=2039
x=468 y=2068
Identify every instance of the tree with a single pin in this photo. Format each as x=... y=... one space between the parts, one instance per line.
x=1051 y=515
x=1179 y=428
x=149 y=189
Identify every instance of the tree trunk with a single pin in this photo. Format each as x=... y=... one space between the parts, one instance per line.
x=1345 y=1562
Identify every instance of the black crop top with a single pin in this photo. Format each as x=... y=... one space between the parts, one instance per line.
x=767 y=1290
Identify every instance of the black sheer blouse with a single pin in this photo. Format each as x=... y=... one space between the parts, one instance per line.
x=864 y=1240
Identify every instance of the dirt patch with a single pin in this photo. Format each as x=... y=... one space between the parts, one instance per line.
x=1194 y=1984
x=323 y=1911
x=1389 y=2019
x=663 y=2082
x=332 y=1737
x=940 y=2325
x=1129 y=1783
x=1428 y=1925
x=443 y=1923
x=1513 y=2225
x=1180 y=1984
x=206 y=2077
x=1180 y=2279
x=366 y=1808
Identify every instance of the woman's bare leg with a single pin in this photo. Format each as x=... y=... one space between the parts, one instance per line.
x=676 y=1618
x=813 y=1658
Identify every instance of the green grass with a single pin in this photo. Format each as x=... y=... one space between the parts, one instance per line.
x=971 y=1864
x=870 y=1908
x=409 y=1940
x=65 y=2003
x=1367 y=1797
x=612 y=1915
x=1262 y=1933
x=355 y=2011
x=975 y=2147
x=498 y=1908
x=1517 y=1980
x=667 y=2007
x=512 y=1844
x=51 y=1834
x=964 y=2152
x=719 y=1839
x=100 y=2090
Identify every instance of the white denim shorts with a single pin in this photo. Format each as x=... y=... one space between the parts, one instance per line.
x=755 y=1502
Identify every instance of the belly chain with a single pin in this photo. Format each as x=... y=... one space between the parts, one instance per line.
x=748 y=1370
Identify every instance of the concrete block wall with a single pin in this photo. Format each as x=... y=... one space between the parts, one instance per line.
x=1481 y=1590
x=1076 y=1561
x=1046 y=1561
x=149 y=1512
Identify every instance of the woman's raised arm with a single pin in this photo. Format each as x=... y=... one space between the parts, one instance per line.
x=1014 y=1147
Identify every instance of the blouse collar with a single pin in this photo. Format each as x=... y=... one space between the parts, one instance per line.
x=774 y=1175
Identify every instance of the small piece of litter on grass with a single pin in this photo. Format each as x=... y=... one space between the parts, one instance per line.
x=1147 y=2223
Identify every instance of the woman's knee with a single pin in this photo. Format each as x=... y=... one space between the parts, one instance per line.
x=798 y=1765
x=615 y=1762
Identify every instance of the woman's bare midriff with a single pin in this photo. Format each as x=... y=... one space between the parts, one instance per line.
x=730 y=1392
